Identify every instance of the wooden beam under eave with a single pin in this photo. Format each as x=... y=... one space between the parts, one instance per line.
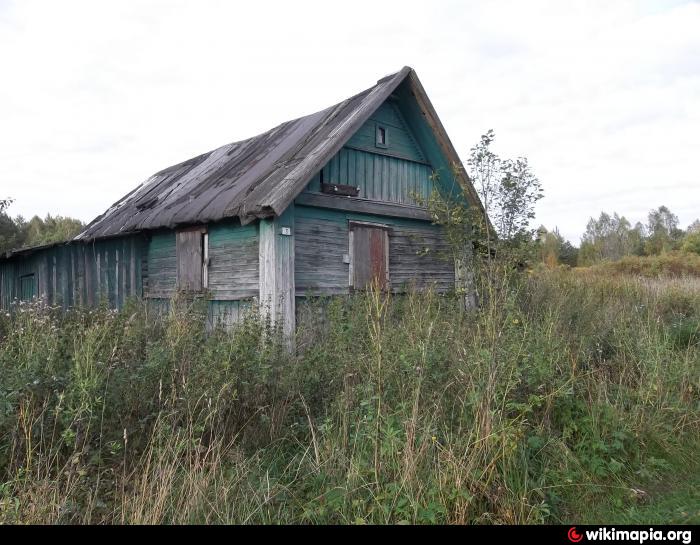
x=363 y=206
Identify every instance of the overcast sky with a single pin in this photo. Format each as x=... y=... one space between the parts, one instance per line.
x=603 y=97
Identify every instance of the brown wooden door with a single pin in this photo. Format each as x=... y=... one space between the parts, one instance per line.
x=370 y=256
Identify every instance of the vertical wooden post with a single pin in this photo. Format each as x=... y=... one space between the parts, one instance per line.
x=464 y=277
x=43 y=280
x=277 y=289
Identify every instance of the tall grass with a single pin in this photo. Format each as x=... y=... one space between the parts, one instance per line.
x=669 y=264
x=567 y=397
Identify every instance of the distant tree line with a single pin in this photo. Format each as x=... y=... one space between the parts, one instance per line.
x=612 y=237
x=19 y=233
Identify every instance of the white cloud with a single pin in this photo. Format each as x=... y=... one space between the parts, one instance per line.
x=603 y=97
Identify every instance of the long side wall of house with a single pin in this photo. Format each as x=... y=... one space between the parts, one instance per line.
x=418 y=252
x=76 y=274
x=111 y=271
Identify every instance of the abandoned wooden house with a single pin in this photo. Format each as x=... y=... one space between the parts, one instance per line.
x=320 y=205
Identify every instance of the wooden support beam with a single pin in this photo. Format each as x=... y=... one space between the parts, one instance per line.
x=349 y=204
x=465 y=282
x=276 y=253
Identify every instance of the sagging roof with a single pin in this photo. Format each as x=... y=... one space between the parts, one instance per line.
x=29 y=250
x=258 y=177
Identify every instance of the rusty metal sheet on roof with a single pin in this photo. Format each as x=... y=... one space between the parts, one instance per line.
x=253 y=178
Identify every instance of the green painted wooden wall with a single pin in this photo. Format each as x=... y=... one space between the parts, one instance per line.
x=76 y=274
x=233 y=269
x=396 y=173
x=400 y=139
x=380 y=177
x=419 y=254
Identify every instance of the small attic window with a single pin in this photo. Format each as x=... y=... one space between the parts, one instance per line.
x=382 y=137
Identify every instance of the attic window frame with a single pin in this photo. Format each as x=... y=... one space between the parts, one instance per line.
x=381 y=130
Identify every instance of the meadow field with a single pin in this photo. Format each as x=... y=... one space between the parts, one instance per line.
x=571 y=396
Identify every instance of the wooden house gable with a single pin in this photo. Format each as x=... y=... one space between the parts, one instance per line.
x=387 y=123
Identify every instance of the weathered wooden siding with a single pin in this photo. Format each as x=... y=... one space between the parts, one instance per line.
x=226 y=314
x=77 y=274
x=11 y=274
x=379 y=177
x=233 y=270
x=398 y=173
x=321 y=241
x=115 y=269
x=418 y=252
x=401 y=141
x=162 y=265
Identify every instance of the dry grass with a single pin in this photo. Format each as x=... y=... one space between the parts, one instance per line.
x=671 y=264
x=556 y=400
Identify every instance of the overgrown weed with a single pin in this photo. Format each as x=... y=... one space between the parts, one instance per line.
x=566 y=392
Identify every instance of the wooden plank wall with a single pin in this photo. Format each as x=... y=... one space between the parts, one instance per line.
x=418 y=252
x=226 y=314
x=116 y=269
x=161 y=265
x=380 y=177
x=394 y=174
x=79 y=274
x=233 y=269
x=401 y=141
x=234 y=266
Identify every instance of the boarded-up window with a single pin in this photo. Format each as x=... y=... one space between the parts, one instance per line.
x=192 y=257
x=369 y=262
x=27 y=287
